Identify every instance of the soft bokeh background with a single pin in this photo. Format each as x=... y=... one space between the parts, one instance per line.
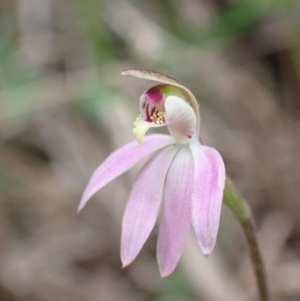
x=64 y=107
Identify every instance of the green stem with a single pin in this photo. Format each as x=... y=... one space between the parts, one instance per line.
x=244 y=214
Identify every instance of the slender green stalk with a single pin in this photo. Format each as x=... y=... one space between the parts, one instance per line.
x=244 y=214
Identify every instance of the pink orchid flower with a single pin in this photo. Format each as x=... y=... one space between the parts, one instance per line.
x=182 y=177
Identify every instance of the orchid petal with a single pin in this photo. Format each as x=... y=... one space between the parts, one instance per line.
x=140 y=130
x=176 y=213
x=152 y=75
x=122 y=160
x=209 y=181
x=180 y=119
x=143 y=204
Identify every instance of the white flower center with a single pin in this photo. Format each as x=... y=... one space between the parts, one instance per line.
x=165 y=109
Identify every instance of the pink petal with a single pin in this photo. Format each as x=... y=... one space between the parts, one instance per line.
x=209 y=181
x=181 y=119
x=176 y=212
x=143 y=205
x=120 y=161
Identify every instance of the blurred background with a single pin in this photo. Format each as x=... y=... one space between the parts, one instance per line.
x=64 y=107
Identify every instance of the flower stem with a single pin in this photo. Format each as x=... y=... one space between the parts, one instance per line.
x=244 y=214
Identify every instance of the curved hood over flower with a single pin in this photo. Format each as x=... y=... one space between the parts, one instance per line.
x=183 y=177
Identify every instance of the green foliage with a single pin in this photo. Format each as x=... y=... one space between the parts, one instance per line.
x=91 y=99
x=175 y=288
